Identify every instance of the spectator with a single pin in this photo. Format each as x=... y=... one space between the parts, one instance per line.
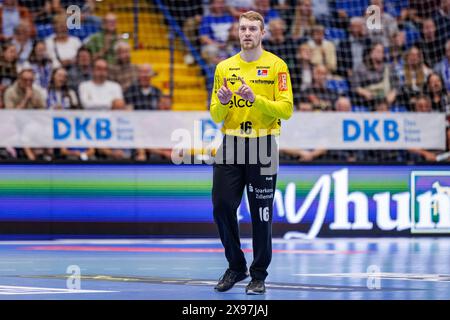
x=285 y=9
x=8 y=68
x=411 y=75
x=350 y=51
x=123 y=71
x=443 y=67
x=382 y=106
x=99 y=93
x=44 y=10
x=280 y=45
x=23 y=41
x=318 y=95
x=10 y=16
x=60 y=96
x=236 y=7
x=303 y=20
x=141 y=95
x=441 y=19
x=302 y=73
x=397 y=48
x=165 y=102
x=81 y=70
x=373 y=80
x=102 y=43
x=431 y=44
x=342 y=104
x=419 y=10
x=388 y=28
x=233 y=45
x=211 y=55
x=22 y=94
x=423 y=104
x=117 y=153
x=61 y=47
x=435 y=90
x=41 y=64
x=323 y=51
x=214 y=27
x=269 y=14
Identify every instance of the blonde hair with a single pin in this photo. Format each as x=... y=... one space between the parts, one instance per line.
x=253 y=16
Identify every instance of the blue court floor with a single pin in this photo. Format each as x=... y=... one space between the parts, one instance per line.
x=327 y=268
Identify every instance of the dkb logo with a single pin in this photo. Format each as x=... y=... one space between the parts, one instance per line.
x=80 y=128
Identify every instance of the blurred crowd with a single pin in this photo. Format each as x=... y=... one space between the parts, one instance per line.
x=339 y=59
x=338 y=62
x=65 y=71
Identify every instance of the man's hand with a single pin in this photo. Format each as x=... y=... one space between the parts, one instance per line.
x=224 y=94
x=245 y=92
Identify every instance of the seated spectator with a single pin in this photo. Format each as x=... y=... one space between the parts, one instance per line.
x=23 y=41
x=279 y=44
x=39 y=154
x=411 y=76
x=342 y=104
x=423 y=104
x=212 y=56
x=431 y=44
x=397 y=48
x=441 y=19
x=60 y=96
x=443 y=67
x=304 y=20
x=81 y=70
x=350 y=51
x=233 y=45
x=382 y=106
x=22 y=94
x=374 y=80
x=236 y=7
x=99 y=93
x=388 y=28
x=302 y=73
x=141 y=95
x=435 y=90
x=11 y=13
x=44 y=10
x=8 y=68
x=41 y=64
x=318 y=95
x=123 y=71
x=102 y=43
x=61 y=47
x=165 y=102
x=265 y=9
x=323 y=51
x=214 y=27
x=117 y=153
x=419 y=10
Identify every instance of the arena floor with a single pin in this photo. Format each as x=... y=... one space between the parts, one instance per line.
x=179 y=269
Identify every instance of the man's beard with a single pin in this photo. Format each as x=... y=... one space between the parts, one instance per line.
x=250 y=45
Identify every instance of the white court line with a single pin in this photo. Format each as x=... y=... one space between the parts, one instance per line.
x=382 y=275
x=18 y=290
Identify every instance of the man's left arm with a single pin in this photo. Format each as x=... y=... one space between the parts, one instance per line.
x=283 y=105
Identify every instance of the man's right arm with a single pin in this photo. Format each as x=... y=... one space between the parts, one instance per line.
x=217 y=109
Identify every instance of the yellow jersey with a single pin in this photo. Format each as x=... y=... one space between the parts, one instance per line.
x=270 y=81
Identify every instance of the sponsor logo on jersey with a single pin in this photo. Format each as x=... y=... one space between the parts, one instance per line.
x=233 y=79
x=262 y=72
x=282 y=81
x=260 y=81
x=262 y=67
x=234 y=69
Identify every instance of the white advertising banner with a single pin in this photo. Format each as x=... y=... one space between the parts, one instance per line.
x=164 y=129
